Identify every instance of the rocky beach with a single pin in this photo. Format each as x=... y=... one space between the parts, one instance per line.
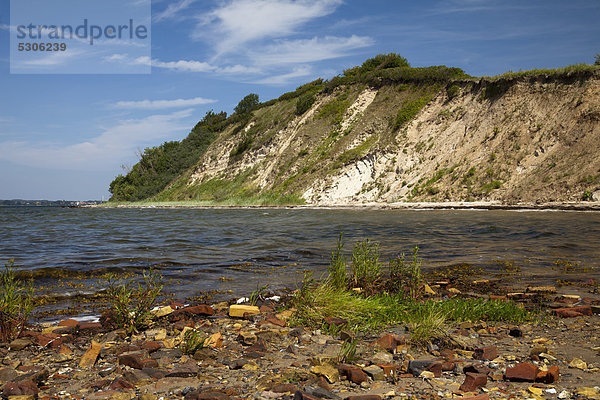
x=257 y=352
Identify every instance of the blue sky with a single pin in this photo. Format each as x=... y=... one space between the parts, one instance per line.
x=66 y=136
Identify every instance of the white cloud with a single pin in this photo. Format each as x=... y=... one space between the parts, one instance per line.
x=309 y=50
x=161 y=104
x=184 y=65
x=172 y=10
x=285 y=78
x=103 y=152
x=241 y=21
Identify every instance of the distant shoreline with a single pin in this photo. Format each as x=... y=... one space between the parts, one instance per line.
x=556 y=206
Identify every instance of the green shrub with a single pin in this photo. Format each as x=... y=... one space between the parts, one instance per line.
x=132 y=302
x=453 y=91
x=15 y=303
x=304 y=103
x=587 y=196
x=597 y=59
x=242 y=146
x=247 y=104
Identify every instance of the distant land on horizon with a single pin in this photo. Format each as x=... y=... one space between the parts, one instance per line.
x=47 y=203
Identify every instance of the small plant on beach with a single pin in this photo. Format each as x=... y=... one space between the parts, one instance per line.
x=405 y=276
x=337 y=266
x=132 y=302
x=193 y=341
x=258 y=294
x=347 y=353
x=15 y=303
x=366 y=268
x=426 y=324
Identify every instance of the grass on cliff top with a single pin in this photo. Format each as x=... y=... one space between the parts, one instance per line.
x=540 y=72
x=391 y=294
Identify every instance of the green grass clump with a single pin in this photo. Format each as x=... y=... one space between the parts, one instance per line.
x=193 y=341
x=366 y=268
x=409 y=110
x=15 y=303
x=368 y=311
x=405 y=276
x=132 y=302
x=337 y=266
x=357 y=152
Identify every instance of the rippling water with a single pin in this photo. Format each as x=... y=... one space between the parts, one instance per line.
x=239 y=249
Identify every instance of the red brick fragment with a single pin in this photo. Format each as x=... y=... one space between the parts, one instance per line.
x=486 y=353
x=549 y=376
x=131 y=360
x=389 y=370
x=152 y=346
x=69 y=322
x=473 y=382
x=523 y=372
x=388 y=342
x=572 y=312
x=92 y=326
x=353 y=373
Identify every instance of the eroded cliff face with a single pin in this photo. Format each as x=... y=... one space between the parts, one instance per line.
x=529 y=139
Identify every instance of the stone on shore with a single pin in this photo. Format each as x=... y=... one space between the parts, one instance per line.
x=239 y=310
x=91 y=355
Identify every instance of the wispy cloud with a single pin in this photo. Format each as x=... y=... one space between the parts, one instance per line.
x=282 y=79
x=475 y=6
x=173 y=9
x=309 y=50
x=242 y=21
x=161 y=104
x=183 y=65
x=103 y=152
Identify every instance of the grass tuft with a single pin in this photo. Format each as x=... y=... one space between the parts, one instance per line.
x=132 y=302
x=15 y=303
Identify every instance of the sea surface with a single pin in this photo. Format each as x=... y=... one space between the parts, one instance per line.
x=231 y=252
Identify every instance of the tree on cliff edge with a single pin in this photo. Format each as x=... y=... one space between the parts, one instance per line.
x=247 y=104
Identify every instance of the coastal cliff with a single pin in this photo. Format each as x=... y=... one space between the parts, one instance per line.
x=389 y=134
